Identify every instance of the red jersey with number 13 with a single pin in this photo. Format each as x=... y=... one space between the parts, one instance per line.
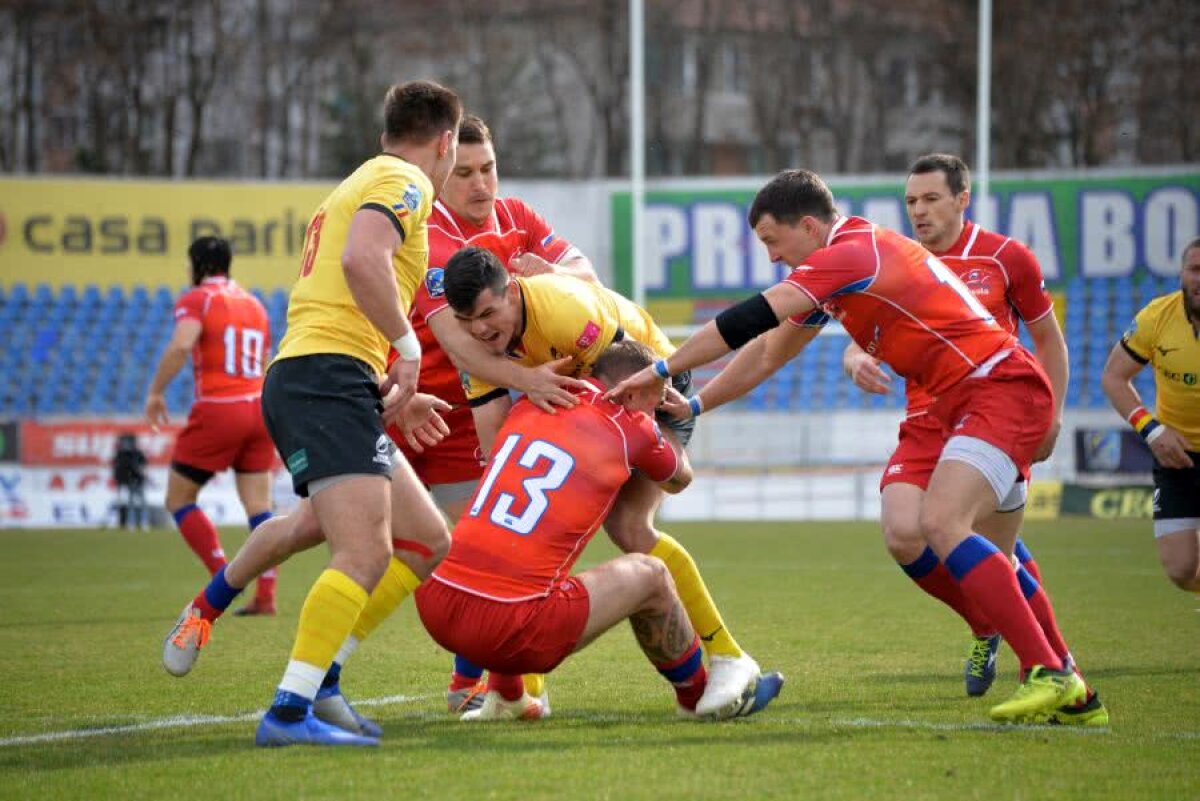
x=900 y=304
x=551 y=481
x=235 y=340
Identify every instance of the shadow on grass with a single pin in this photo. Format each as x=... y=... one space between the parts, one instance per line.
x=410 y=735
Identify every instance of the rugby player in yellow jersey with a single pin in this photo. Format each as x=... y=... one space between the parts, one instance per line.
x=324 y=397
x=559 y=319
x=1166 y=334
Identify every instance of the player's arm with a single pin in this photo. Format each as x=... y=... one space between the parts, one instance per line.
x=1051 y=350
x=175 y=356
x=542 y=384
x=1124 y=362
x=863 y=369
x=658 y=456
x=755 y=363
x=371 y=241
x=730 y=330
x=574 y=264
x=489 y=417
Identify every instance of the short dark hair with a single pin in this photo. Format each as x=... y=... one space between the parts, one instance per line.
x=1195 y=243
x=473 y=131
x=793 y=194
x=958 y=177
x=210 y=255
x=468 y=273
x=622 y=359
x=418 y=111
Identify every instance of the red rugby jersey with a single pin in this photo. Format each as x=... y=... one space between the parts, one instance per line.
x=235 y=340
x=1003 y=275
x=550 y=482
x=900 y=303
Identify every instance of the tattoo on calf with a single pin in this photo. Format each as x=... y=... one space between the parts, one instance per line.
x=663 y=636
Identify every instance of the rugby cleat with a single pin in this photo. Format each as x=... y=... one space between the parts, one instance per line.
x=183 y=644
x=256 y=608
x=729 y=679
x=331 y=706
x=1040 y=696
x=274 y=733
x=980 y=669
x=1090 y=713
x=495 y=707
x=466 y=699
x=766 y=690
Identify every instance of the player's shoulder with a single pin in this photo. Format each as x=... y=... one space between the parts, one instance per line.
x=1163 y=307
x=515 y=208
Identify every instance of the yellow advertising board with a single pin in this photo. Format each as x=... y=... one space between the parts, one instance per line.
x=103 y=231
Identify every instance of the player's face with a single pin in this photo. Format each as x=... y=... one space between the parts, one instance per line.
x=1189 y=281
x=935 y=213
x=790 y=244
x=471 y=189
x=496 y=319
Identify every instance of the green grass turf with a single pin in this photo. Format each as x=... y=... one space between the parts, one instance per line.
x=873 y=707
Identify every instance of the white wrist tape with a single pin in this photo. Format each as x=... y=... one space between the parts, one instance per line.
x=1155 y=434
x=408 y=346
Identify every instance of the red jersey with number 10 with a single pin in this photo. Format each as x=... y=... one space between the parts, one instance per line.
x=551 y=480
x=900 y=304
x=235 y=339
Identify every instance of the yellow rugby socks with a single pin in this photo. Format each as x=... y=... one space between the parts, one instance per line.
x=330 y=610
x=397 y=583
x=701 y=609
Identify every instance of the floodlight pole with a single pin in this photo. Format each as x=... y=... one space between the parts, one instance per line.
x=637 y=149
x=983 y=117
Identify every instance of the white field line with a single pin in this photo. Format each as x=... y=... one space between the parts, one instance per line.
x=189 y=721
x=178 y=722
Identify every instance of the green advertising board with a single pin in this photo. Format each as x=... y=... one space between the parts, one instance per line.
x=698 y=243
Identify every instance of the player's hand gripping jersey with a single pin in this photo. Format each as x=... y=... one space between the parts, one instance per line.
x=235 y=338
x=550 y=483
x=322 y=314
x=900 y=303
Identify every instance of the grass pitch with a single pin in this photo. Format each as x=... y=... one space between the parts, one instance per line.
x=873 y=708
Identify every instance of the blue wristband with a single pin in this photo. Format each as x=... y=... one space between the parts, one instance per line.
x=696 y=405
x=660 y=367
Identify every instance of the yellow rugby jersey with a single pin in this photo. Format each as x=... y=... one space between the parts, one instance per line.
x=566 y=316
x=322 y=315
x=1162 y=335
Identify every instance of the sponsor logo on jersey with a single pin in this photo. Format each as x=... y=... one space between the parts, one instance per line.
x=435 y=282
x=895 y=469
x=591 y=332
x=383 y=451
x=298 y=462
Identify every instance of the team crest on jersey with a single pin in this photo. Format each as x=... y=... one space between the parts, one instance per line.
x=412 y=197
x=977 y=282
x=591 y=332
x=435 y=282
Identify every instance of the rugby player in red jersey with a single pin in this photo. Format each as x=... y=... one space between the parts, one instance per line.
x=994 y=404
x=1006 y=278
x=225 y=331
x=504 y=596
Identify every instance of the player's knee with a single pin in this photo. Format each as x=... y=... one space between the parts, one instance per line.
x=1184 y=573
x=438 y=542
x=940 y=526
x=630 y=531
x=903 y=538
x=654 y=578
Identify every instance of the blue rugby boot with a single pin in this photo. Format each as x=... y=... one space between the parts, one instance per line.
x=980 y=669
